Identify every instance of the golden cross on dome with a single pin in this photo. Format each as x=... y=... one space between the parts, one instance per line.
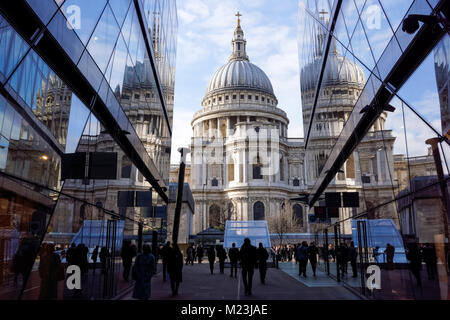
x=323 y=13
x=238 y=15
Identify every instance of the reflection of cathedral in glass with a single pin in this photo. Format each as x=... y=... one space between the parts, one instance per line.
x=139 y=97
x=240 y=98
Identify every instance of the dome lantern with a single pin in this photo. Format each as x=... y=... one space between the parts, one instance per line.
x=239 y=73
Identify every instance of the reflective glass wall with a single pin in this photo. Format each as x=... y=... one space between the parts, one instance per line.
x=399 y=165
x=125 y=54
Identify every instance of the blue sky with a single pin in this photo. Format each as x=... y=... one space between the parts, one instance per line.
x=271 y=28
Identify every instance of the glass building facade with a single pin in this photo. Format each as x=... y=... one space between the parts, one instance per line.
x=376 y=120
x=94 y=79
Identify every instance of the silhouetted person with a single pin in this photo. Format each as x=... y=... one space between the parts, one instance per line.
x=50 y=271
x=190 y=255
x=262 y=256
x=332 y=251
x=175 y=269
x=414 y=262
x=352 y=255
x=81 y=258
x=312 y=256
x=127 y=254
x=343 y=257
x=104 y=255
x=390 y=252
x=94 y=258
x=211 y=258
x=23 y=259
x=376 y=254
x=248 y=262
x=70 y=255
x=165 y=252
x=234 y=258
x=430 y=259
x=302 y=256
x=222 y=255
x=199 y=252
x=144 y=268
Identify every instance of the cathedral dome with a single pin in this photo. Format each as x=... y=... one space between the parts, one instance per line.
x=338 y=71
x=239 y=74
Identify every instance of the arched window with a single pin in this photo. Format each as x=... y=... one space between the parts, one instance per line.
x=214 y=216
x=258 y=211
x=296 y=182
x=298 y=213
x=214 y=182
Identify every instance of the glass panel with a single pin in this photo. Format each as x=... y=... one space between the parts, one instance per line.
x=45 y=9
x=12 y=49
x=120 y=9
x=83 y=16
x=67 y=38
x=104 y=39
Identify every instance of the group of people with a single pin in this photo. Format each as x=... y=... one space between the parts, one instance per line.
x=303 y=253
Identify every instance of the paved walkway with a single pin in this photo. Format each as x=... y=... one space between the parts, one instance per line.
x=199 y=284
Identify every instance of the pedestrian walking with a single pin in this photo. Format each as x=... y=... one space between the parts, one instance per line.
x=211 y=258
x=94 y=258
x=127 y=254
x=190 y=255
x=262 y=256
x=175 y=269
x=104 y=255
x=234 y=258
x=248 y=262
x=143 y=270
x=199 y=253
x=165 y=252
x=414 y=262
x=390 y=252
x=352 y=255
x=222 y=255
x=50 y=271
x=302 y=255
x=312 y=256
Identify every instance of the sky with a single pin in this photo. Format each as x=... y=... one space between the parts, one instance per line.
x=272 y=32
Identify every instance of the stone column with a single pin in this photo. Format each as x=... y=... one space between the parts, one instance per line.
x=379 y=167
x=357 y=168
x=150 y=125
x=210 y=128
x=228 y=126
x=219 y=134
x=244 y=157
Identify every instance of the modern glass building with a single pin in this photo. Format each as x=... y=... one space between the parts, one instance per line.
x=86 y=106
x=374 y=84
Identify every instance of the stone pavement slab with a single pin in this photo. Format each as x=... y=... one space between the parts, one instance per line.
x=199 y=284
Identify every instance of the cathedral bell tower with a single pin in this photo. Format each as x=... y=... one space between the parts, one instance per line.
x=239 y=43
